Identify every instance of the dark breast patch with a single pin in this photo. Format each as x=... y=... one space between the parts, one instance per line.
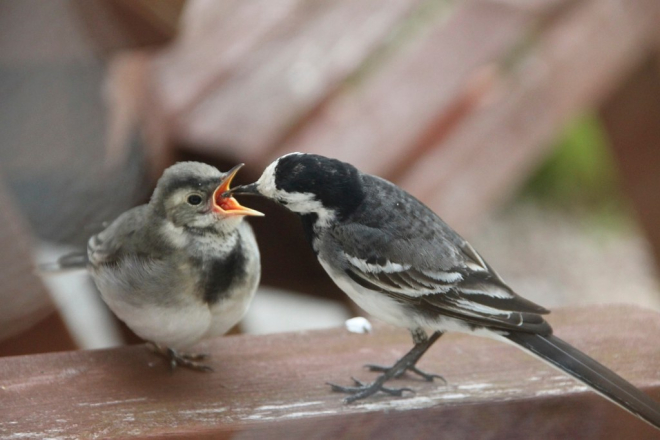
x=221 y=273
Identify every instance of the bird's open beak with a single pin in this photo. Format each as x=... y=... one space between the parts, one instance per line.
x=224 y=203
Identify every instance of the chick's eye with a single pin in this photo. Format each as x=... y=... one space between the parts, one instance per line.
x=194 y=199
x=282 y=202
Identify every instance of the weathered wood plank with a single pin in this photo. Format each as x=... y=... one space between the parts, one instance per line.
x=274 y=387
x=120 y=24
x=215 y=37
x=39 y=334
x=253 y=103
x=27 y=313
x=379 y=123
x=575 y=63
x=483 y=82
x=632 y=119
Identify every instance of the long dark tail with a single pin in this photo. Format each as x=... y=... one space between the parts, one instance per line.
x=72 y=261
x=585 y=369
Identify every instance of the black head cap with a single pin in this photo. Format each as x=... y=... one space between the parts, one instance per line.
x=336 y=184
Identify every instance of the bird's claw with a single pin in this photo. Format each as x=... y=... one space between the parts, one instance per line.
x=362 y=390
x=176 y=359
x=413 y=369
x=188 y=360
x=194 y=356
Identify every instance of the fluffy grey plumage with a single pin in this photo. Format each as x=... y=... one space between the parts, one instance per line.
x=400 y=262
x=183 y=267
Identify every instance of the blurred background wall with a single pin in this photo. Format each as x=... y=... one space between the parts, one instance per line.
x=534 y=130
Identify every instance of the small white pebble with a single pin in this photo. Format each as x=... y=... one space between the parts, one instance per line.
x=358 y=324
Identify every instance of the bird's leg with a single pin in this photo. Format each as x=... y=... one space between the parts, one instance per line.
x=419 y=337
x=362 y=390
x=188 y=360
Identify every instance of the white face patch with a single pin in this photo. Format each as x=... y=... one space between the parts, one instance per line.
x=222 y=224
x=175 y=234
x=302 y=203
x=202 y=220
x=266 y=183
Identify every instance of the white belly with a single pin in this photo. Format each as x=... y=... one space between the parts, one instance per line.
x=175 y=327
x=376 y=303
x=228 y=312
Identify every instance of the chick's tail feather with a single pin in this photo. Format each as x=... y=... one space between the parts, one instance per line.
x=73 y=261
x=587 y=370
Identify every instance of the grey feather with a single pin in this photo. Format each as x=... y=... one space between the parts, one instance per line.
x=173 y=271
x=393 y=226
x=401 y=262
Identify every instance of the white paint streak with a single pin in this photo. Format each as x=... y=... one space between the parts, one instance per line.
x=307 y=413
x=453 y=396
x=561 y=390
x=265 y=417
x=415 y=402
x=45 y=379
x=113 y=402
x=28 y=434
x=193 y=412
x=286 y=406
x=474 y=386
x=277 y=412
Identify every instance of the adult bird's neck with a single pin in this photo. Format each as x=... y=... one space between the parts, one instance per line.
x=311 y=228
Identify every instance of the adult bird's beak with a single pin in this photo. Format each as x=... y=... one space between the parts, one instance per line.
x=244 y=189
x=224 y=203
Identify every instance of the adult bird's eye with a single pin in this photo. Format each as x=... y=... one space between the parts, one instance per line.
x=194 y=199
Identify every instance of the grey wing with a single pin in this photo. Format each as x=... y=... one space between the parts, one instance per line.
x=453 y=281
x=119 y=239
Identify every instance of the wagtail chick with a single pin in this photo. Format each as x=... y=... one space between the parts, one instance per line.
x=400 y=262
x=183 y=267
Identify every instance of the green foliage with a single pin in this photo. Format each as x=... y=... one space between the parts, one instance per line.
x=581 y=175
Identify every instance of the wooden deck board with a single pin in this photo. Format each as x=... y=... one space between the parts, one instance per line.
x=574 y=64
x=257 y=92
x=274 y=387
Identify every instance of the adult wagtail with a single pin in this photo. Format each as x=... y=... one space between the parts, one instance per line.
x=400 y=262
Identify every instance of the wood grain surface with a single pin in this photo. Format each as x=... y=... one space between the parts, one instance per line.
x=631 y=117
x=274 y=387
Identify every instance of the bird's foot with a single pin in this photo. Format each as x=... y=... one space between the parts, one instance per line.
x=188 y=360
x=413 y=369
x=176 y=359
x=362 y=390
